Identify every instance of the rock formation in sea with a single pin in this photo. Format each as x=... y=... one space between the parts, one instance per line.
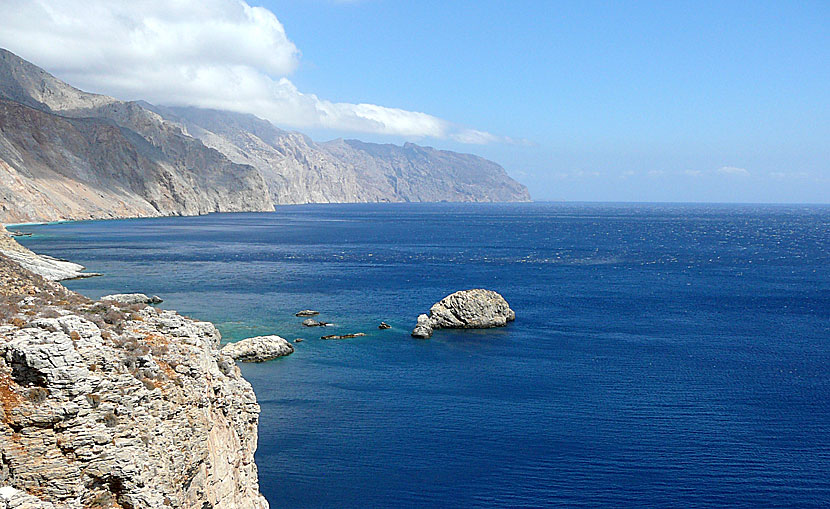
x=68 y=154
x=258 y=349
x=466 y=309
x=108 y=405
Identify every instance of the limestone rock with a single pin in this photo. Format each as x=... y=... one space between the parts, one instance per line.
x=141 y=412
x=307 y=312
x=12 y=498
x=467 y=309
x=42 y=265
x=68 y=154
x=344 y=336
x=310 y=322
x=423 y=329
x=133 y=298
x=258 y=349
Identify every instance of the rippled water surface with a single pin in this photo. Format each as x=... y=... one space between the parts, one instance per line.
x=662 y=354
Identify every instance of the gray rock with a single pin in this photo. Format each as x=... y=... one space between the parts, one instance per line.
x=307 y=312
x=68 y=154
x=12 y=498
x=133 y=298
x=344 y=336
x=258 y=349
x=384 y=326
x=467 y=309
x=310 y=322
x=423 y=329
x=143 y=413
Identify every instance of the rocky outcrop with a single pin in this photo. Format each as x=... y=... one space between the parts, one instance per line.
x=258 y=349
x=132 y=298
x=467 y=309
x=46 y=266
x=423 y=328
x=109 y=406
x=307 y=312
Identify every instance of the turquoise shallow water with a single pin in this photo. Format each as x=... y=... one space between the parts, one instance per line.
x=662 y=354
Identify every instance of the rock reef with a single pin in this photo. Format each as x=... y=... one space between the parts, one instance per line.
x=258 y=349
x=107 y=405
x=467 y=309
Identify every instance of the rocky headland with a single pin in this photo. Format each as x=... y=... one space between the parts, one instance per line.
x=112 y=405
x=46 y=266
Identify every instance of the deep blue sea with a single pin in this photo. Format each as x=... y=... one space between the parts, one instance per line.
x=662 y=355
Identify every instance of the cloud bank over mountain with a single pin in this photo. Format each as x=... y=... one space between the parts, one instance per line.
x=222 y=54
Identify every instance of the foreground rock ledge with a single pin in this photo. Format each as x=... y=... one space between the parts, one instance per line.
x=258 y=349
x=467 y=309
x=106 y=406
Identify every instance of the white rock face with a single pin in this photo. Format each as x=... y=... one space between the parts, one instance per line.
x=467 y=309
x=48 y=267
x=141 y=411
x=132 y=298
x=258 y=349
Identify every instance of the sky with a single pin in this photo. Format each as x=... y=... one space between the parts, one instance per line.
x=581 y=101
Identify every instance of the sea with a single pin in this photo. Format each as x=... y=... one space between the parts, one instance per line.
x=663 y=355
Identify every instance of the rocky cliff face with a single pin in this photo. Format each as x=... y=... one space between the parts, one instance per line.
x=117 y=407
x=67 y=154
x=298 y=170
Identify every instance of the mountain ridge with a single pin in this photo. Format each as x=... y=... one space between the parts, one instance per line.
x=68 y=154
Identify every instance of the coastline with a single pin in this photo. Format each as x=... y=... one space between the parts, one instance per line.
x=91 y=349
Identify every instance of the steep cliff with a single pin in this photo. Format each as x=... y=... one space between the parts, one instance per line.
x=67 y=154
x=117 y=407
x=298 y=170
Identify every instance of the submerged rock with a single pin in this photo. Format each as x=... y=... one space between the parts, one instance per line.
x=344 y=336
x=132 y=298
x=309 y=322
x=258 y=349
x=467 y=309
x=384 y=326
x=307 y=312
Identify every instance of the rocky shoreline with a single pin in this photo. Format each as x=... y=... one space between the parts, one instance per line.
x=117 y=404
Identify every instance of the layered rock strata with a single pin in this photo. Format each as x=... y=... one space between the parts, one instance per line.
x=117 y=406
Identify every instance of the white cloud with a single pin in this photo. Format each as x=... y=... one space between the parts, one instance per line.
x=221 y=54
x=732 y=170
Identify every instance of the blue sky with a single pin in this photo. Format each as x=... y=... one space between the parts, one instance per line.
x=621 y=100
x=602 y=101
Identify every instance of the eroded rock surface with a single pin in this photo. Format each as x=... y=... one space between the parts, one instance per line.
x=258 y=349
x=133 y=298
x=467 y=309
x=105 y=406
